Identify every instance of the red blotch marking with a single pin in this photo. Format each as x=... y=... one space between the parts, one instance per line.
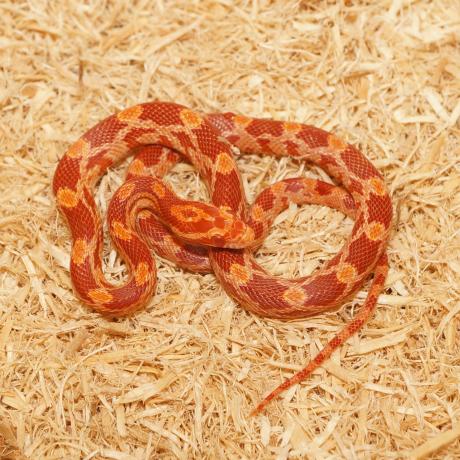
x=132 y=136
x=324 y=290
x=358 y=164
x=380 y=209
x=67 y=174
x=183 y=138
x=129 y=294
x=233 y=139
x=219 y=222
x=208 y=143
x=362 y=253
x=229 y=191
x=264 y=144
x=258 y=228
x=225 y=258
x=82 y=278
x=82 y=221
x=259 y=127
x=159 y=159
x=313 y=137
x=355 y=187
x=104 y=132
x=201 y=226
x=266 y=199
x=98 y=252
x=162 y=113
x=323 y=188
x=292 y=148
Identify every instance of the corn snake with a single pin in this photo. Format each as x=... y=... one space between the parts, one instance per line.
x=221 y=237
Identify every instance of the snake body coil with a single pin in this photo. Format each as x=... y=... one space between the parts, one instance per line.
x=221 y=236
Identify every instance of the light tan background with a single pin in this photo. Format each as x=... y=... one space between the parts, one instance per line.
x=179 y=379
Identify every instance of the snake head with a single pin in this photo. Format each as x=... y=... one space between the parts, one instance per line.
x=209 y=225
x=236 y=234
x=230 y=231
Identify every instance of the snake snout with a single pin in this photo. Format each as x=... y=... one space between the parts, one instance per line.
x=230 y=232
x=240 y=235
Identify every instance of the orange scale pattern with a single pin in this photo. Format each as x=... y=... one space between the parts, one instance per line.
x=146 y=214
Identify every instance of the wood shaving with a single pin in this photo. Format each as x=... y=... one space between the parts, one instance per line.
x=179 y=379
